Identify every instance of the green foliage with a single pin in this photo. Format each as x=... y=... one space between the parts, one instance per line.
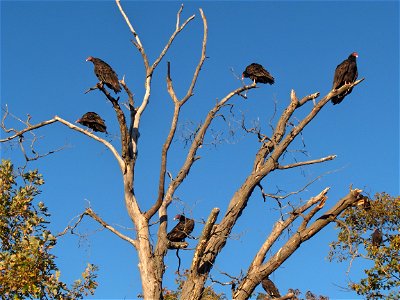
x=27 y=268
x=354 y=241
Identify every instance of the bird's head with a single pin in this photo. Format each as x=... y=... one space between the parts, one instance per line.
x=355 y=54
x=90 y=58
x=178 y=217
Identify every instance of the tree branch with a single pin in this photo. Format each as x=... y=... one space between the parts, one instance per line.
x=308 y=98
x=309 y=162
x=92 y=214
x=202 y=59
x=177 y=106
x=262 y=166
x=30 y=128
x=74 y=127
x=198 y=141
x=138 y=43
x=71 y=228
x=280 y=226
x=178 y=29
x=205 y=235
x=36 y=155
x=280 y=197
x=257 y=272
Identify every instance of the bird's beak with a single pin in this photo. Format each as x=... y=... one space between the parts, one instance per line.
x=87 y=59
x=77 y=121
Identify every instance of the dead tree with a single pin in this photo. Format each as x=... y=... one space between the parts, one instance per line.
x=213 y=237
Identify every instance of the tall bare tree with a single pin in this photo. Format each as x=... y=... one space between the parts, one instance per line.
x=267 y=159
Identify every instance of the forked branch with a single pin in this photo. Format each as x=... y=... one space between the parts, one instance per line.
x=178 y=29
x=198 y=141
x=258 y=271
x=177 y=106
x=73 y=127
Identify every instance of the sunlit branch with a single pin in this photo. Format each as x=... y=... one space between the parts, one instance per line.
x=202 y=58
x=137 y=42
x=313 y=211
x=257 y=270
x=205 y=235
x=308 y=98
x=178 y=29
x=32 y=127
x=72 y=126
x=198 y=141
x=309 y=162
x=92 y=214
x=128 y=91
x=95 y=137
x=164 y=151
x=177 y=105
x=287 y=297
x=280 y=226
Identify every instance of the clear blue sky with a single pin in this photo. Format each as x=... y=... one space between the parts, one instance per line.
x=43 y=72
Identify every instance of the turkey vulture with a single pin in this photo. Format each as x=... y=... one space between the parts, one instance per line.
x=346 y=72
x=270 y=288
x=105 y=73
x=257 y=73
x=181 y=230
x=377 y=238
x=93 y=121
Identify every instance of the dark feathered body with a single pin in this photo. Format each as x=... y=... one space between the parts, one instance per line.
x=105 y=73
x=346 y=72
x=377 y=238
x=257 y=73
x=181 y=230
x=93 y=121
x=270 y=288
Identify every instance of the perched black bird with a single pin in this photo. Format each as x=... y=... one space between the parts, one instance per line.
x=93 y=121
x=257 y=73
x=181 y=230
x=105 y=74
x=270 y=288
x=346 y=72
x=377 y=238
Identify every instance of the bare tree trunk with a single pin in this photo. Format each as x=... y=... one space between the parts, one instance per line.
x=151 y=283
